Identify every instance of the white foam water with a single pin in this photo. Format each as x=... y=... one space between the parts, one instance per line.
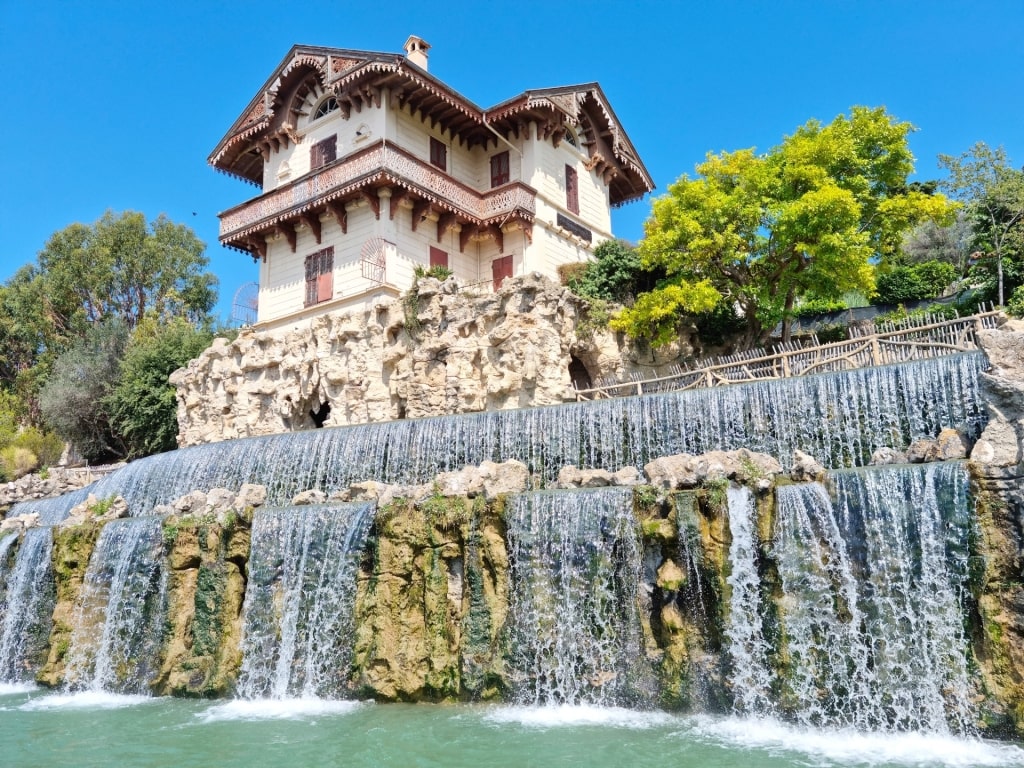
x=849 y=747
x=86 y=700
x=580 y=715
x=12 y=689
x=278 y=709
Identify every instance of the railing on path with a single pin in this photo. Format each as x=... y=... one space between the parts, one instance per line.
x=912 y=339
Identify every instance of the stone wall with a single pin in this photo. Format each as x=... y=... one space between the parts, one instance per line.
x=440 y=350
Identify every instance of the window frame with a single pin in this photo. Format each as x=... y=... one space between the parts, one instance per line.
x=323 y=152
x=499 y=175
x=572 y=190
x=319 y=270
x=438 y=154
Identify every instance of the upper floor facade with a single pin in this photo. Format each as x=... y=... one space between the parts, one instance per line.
x=369 y=167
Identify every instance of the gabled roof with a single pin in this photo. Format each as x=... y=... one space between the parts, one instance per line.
x=357 y=78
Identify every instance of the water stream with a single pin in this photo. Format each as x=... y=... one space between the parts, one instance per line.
x=575 y=571
x=297 y=636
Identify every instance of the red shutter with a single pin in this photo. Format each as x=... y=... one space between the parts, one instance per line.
x=572 y=190
x=438 y=258
x=325 y=287
x=500 y=269
x=499 y=169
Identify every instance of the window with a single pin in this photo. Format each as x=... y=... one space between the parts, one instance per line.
x=319 y=276
x=570 y=138
x=328 y=105
x=500 y=269
x=572 y=190
x=438 y=154
x=499 y=169
x=438 y=258
x=323 y=152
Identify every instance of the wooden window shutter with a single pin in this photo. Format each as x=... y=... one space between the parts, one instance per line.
x=438 y=154
x=325 y=281
x=499 y=169
x=312 y=272
x=438 y=258
x=323 y=152
x=500 y=269
x=572 y=190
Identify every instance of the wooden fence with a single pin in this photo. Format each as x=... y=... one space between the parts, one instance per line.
x=912 y=339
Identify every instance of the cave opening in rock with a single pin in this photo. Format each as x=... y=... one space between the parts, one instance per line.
x=579 y=374
x=319 y=416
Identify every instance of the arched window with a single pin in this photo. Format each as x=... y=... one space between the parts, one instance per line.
x=325 y=107
x=570 y=137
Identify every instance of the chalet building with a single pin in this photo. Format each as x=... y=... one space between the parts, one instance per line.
x=369 y=167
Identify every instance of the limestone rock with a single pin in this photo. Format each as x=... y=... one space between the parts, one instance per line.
x=671 y=472
x=806 y=468
x=250 y=495
x=311 y=496
x=20 y=522
x=1002 y=441
x=949 y=445
x=503 y=478
x=573 y=477
x=626 y=476
x=467 y=353
x=670 y=576
x=887 y=455
x=920 y=450
x=94 y=510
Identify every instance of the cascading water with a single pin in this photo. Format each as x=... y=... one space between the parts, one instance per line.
x=119 y=613
x=906 y=401
x=27 y=605
x=297 y=635
x=575 y=569
x=749 y=677
x=873 y=598
x=52 y=510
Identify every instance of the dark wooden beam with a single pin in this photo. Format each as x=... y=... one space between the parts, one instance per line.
x=446 y=222
x=420 y=209
x=373 y=200
x=397 y=196
x=337 y=209
x=465 y=235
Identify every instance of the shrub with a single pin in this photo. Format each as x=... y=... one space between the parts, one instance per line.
x=1015 y=306
x=17 y=461
x=46 y=446
x=917 y=281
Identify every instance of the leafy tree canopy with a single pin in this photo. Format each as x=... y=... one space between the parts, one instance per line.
x=993 y=193
x=760 y=231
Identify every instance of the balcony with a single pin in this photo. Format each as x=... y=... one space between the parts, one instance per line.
x=375 y=166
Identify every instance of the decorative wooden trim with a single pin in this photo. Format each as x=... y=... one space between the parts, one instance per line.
x=465 y=235
x=420 y=209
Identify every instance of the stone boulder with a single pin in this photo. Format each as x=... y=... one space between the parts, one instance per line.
x=951 y=444
x=887 y=455
x=1002 y=442
x=311 y=496
x=806 y=468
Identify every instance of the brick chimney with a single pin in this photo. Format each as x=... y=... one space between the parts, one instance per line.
x=416 y=51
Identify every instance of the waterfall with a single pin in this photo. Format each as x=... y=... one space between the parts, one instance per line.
x=27 y=604
x=297 y=635
x=119 y=612
x=53 y=510
x=575 y=569
x=873 y=598
x=904 y=401
x=749 y=677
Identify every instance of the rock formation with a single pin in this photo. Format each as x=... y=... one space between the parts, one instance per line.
x=439 y=350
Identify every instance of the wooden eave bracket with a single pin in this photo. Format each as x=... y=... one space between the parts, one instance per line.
x=337 y=210
x=312 y=220
x=446 y=222
x=420 y=209
x=288 y=230
x=373 y=200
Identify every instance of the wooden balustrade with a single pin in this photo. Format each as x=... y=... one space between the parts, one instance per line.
x=898 y=343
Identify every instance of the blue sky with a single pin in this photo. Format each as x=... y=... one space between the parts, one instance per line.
x=116 y=105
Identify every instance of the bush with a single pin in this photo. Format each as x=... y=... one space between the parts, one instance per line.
x=925 y=280
x=814 y=307
x=1015 y=306
x=17 y=462
x=143 y=406
x=73 y=400
x=46 y=446
x=615 y=274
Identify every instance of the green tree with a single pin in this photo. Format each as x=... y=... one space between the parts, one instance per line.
x=123 y=267
x=804 y=219
x=615 y=274
x=73 y=400
x=993 y=194
x=930 y=241
x=142 y=406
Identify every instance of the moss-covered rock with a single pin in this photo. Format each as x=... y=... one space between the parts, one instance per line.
x=206 y=585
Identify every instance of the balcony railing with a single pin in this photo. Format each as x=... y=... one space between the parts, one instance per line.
x=377 y=164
